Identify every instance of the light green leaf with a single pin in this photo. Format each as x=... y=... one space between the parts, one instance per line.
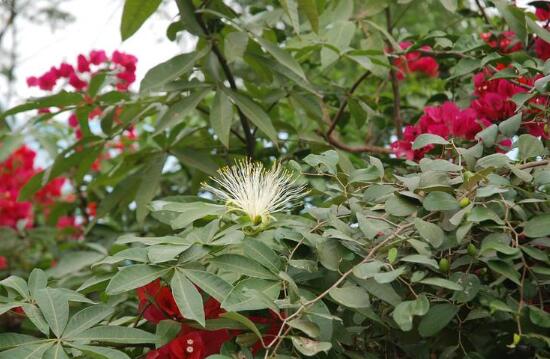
x=437 y=318
x=262 y=254
x=242 y=265
x=283 y=57
x=350 y=296
x=10 y=340
x=234 y=45
x=538 y=226
x=212 y=284
x=529 y=146
x=134 y=14
x=132 y=277
x=310 y=347
x=150 y=182
x=254 y=112
x=306 y=326
x=309 y=7
x=18 y=284
x=31 y=351
x=170 y=70
x=116 y=334
x=440 y=201
x=430 y=232
x=55 y=308
x=187 y=297
x=86 y=318
x=180 y=109
x=426 y=139
x=101 y=352
x=221 y=117
x=56 y=352
x=440 y=282
x=404 y=312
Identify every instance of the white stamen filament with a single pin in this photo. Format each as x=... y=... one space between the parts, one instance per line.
x=250 y=188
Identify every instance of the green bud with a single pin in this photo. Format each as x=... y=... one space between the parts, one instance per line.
x=444 y=265
x=472 y=250
x=464 y=202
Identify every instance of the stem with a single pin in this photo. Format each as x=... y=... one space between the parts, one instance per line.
x=483 y=13
x=398 y=122
x=249 y=136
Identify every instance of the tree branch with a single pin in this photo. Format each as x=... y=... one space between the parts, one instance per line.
x=398 y=122
x=483 y=13
x=249 y=136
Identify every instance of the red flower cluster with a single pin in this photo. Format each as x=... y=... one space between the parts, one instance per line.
x=15 y=171
x=505 y=42
x=493 y=103
x=415 y=61
x=543 y=13
x=157 y=303
x=124 y=65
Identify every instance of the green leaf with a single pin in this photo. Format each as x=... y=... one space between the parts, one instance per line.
x=404 y=312
x=252 y=294
x=35 y=316
x=200 y=160
x=187 y=297
x=37 y=280
x=440 y=282
x=245 y=321
x=539 y=317
x=236 y=263
x=283 y=57
x=306 y=326
x=450 y=5
x=116 y=334
x=421 y=259
x=510 y=126
x=430 y=232
x=101 y=352
x=529 y=146
x=505 y=269
x=212 y=284
x=440 y=201
x=72 y=262
x=132 y=277
x=9 y=144
x=18 y=284
x=538 y=226
x=10 y=340
x=134 y=14
x=309 y=7
x=262 y=254
x=234 y=45
x=310 y=347
x=190 y=212
x=541 y=32
x=350 y=296
x=387 y=277
x=291 y=9
x=400 y=207
x=515 y=17
x=177 y=112
x=437 y=318
x=61 y=99
x=221 y=117
x=87 y=318
x=426 y=139
x=31 y=351
x=150 y=183
x=170 y=70
x=55 y=308
x=56 y=352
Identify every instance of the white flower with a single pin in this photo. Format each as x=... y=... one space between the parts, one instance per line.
x=251 y=189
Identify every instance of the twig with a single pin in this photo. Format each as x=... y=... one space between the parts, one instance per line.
x=397 y=121
x=483 y=13
x=534 y=164
x=249 y=136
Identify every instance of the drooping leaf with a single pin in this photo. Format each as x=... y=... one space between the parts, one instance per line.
x=134 y=14
x=187 y=298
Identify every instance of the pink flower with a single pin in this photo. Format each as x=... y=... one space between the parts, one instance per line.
x=127 y=76
x=542 y=13
x=48 y=80
x=97 y=57
x=32 y=81
x=415 y=61
x=76 y=82
x=3 y=263
x=505 y=42
x=82 y=64
x=73 y=120
x=65 y=70
x=542 y=49
x=95 y=112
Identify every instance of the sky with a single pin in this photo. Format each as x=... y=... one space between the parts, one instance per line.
x=96 y=26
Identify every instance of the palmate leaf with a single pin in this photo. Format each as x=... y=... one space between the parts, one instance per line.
x=54 y=305
x=116 y=334
x=87 y=318
x=187 y=297
x=132 y=277
x=29 y=351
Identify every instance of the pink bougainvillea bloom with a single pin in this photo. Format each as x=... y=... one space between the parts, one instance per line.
x=48 y=80
x=32 y=81
x=415 y=61
x=505 y=42
x=97 y=57
x=542 y=49
x=96 y=112
x=543 y=14
x=127 y=76
x=77 y=82
x=65 y=70
x=82 y=64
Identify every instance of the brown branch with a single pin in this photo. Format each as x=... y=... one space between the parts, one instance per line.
x=344 y=103
x=397 y=121
x=483 y=13
x=249 y=136
x=534 y=164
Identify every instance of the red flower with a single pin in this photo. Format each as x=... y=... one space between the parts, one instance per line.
x=184 y=346
x=65 y=70
x=97 y=57
x=76 y=82
x=96 y=112
x=3 y=263
x=273 y=325
x=505 y=42
x=82 y=64
x=73 y=120
x=32 y=81
x=157 y=302
x=542 y=49
x=91 y=209
x=48 y=80
x=543 y=14
x=415 y=61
